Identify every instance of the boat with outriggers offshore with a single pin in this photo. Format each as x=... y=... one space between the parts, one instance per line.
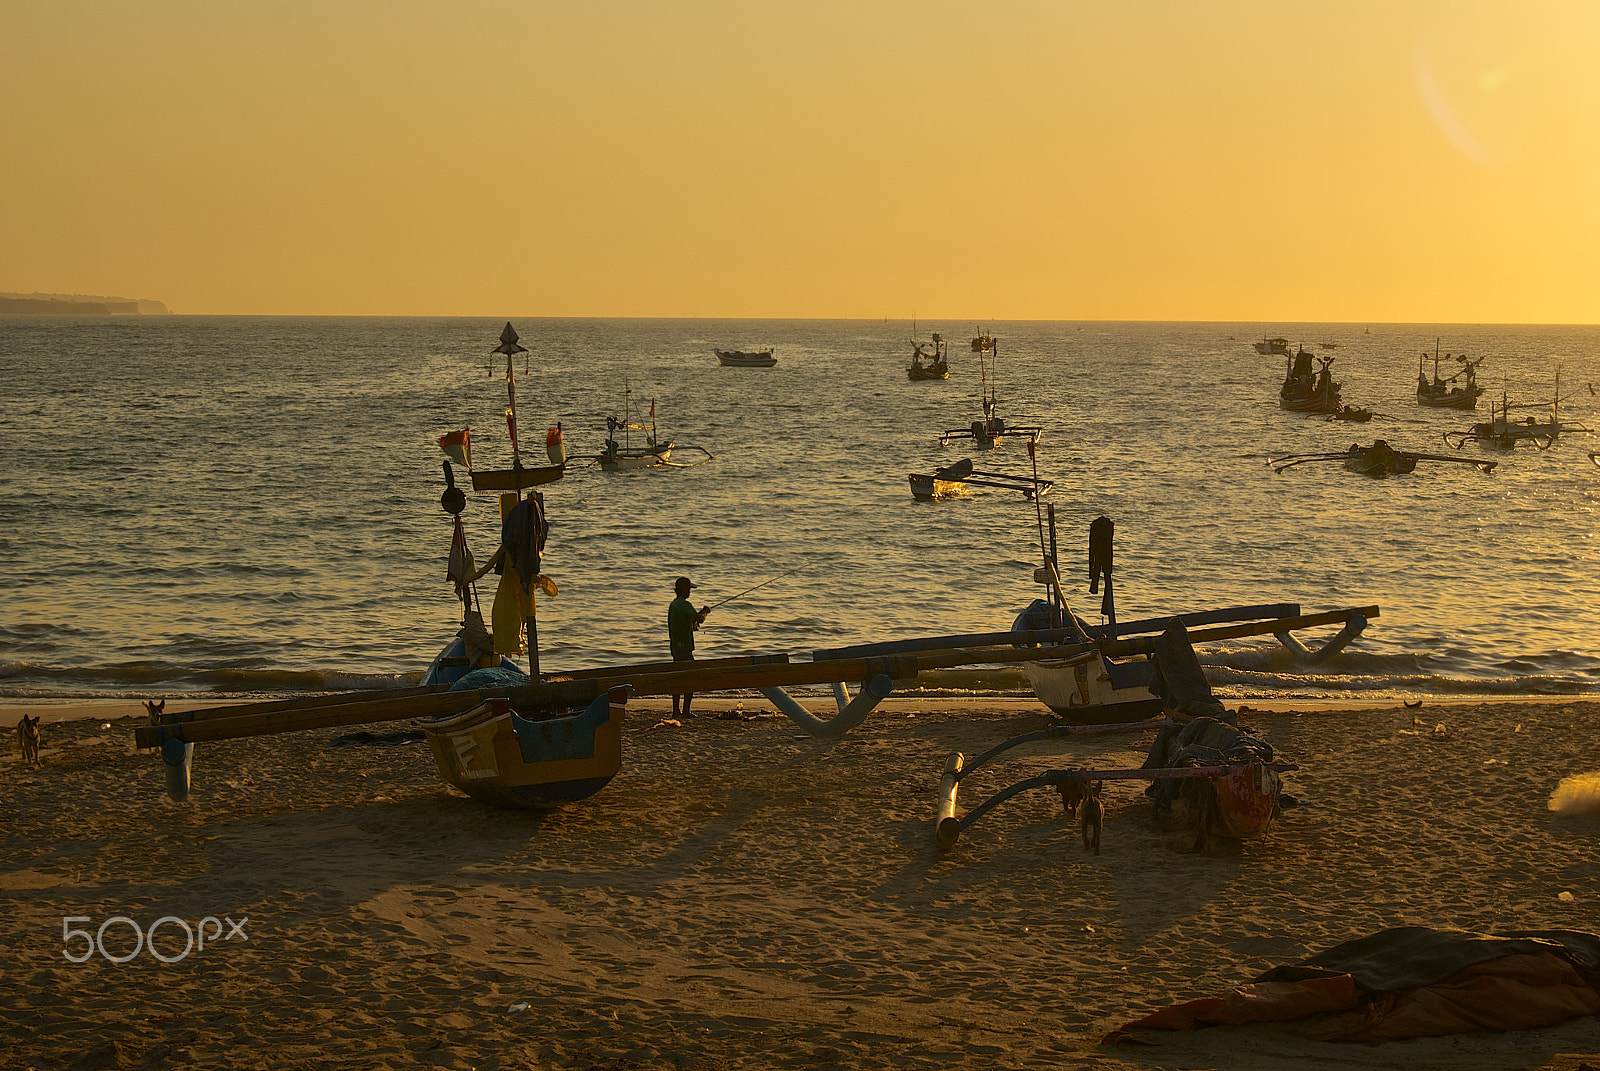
x=1501 y=432
x=1378 y=460
x=991 y=431
x=959 y=479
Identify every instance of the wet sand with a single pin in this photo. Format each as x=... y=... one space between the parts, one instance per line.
x=744 y=896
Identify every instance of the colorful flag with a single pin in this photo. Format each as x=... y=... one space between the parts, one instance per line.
x=458 y=444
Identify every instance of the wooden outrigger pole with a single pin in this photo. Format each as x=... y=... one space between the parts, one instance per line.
x=878 y=675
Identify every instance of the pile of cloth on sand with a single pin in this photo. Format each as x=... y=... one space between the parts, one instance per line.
x=1411 y=981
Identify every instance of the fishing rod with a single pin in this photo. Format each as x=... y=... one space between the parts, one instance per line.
x=748 y=590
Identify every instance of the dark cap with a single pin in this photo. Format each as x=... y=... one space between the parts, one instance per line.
x=682 y=584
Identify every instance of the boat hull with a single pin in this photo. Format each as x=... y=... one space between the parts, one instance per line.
x=1453 y=400
x=927 y=488
x=1317 y=402
x=928 y=372
x=1090 y=689
x=632 y=460
x=737 y=359
x=496 y=756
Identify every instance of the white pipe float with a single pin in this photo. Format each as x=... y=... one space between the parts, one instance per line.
x=873 y=691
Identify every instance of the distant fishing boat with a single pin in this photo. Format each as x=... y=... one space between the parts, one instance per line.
x=1269 y=347
x=1305 y=391
x=991 y=431
x=1504 y=433
x=937 y=366
x=621 y=454
x=1378 y=460
x=1441 y=393
x=744 y=359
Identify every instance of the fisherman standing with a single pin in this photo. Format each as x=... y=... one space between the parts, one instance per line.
x=683 y=620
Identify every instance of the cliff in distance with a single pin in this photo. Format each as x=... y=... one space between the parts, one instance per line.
x=78 y=305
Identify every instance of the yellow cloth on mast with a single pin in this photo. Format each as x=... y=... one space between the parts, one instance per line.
x=512 y=607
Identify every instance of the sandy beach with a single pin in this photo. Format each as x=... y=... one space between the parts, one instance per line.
x=744 y=896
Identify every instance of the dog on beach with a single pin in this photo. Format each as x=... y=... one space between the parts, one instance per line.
x=1093 y=820
x=154 y=710
x=28 y=734
x=1072 y=793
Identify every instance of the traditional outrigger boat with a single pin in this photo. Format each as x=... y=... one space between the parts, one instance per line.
x=937 y=366
x=1440 y=393
x=744 y=359
x=1107 y=674
x=1305 y=391
x=955 y=480
x=991 y=431
x=621 y=454
x=1504 y=433
x=1378 y=460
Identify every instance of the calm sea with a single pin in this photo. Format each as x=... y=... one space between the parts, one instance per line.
x=247 y=506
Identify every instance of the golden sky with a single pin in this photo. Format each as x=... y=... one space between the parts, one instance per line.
x=1282 y=160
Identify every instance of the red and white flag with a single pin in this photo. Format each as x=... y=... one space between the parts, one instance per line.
x=458 y=444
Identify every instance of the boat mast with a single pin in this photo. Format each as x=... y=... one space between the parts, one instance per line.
x=508 y=346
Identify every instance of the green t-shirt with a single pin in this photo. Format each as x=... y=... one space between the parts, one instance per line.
x=681 y=625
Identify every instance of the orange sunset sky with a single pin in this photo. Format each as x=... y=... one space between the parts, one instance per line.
x=1165 y=159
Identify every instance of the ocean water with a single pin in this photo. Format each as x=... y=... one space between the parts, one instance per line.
x=248 y=506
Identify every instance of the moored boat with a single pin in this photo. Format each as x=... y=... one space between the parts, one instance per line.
x=1378 y=460
x=1440 y=393
x=1272 y=347
x=991 y=431
x=497 y=755
x=957 y=479
x=1305 y=391
x=745 y=359
x=1504 y=433
x=620 y=454
x=937 y=365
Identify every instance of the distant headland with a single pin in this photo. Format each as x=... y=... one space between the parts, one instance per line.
x=78 y=305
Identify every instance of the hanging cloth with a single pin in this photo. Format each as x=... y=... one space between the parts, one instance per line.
x=513 y=605
x=1100 y=533
x=522 y=535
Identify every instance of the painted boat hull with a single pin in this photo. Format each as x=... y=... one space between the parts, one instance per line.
x=1090 y=689
x=496 y=756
